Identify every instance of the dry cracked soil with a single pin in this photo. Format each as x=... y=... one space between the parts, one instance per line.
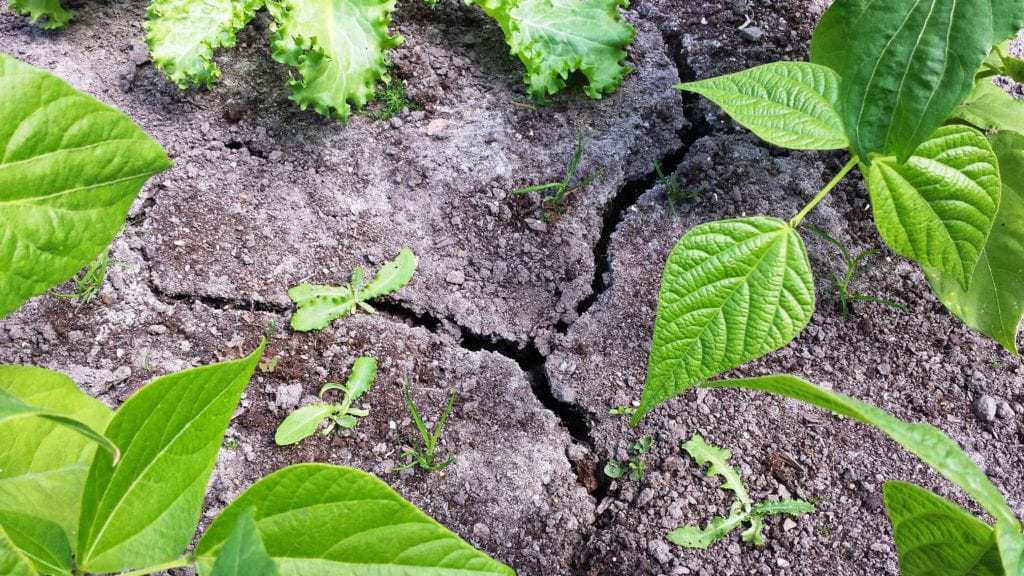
x=540 y=320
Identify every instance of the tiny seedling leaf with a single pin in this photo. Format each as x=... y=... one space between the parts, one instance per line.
x=702 y=538
x=717 y=460
x=70 y=168
x=42 y=472
x=43 y=542
x=360 y=379
x=392 y=276
x=936 y=537
x=994 y=303
x=318 y=520
x=773 y=507
x=302 y=423
x=938 y=208
x=789 y=104
x=145 y=511
x=905 y=65
x=243 y=553
x=732 y=291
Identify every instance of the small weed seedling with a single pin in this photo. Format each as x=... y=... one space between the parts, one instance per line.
x=674 y=190
x=89 y=282
x=304 y=422
x=569 y=184
x=635 y=467
x=854 y=264
x=268 y=365
x=393 y=99
x=319 y=305
x=743 y=509
x=425 y=457
x=627 y=411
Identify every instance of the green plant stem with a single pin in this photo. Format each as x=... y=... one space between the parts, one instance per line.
x=795 y=221
x=178 y=563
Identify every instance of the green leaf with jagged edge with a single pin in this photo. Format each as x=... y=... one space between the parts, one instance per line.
x=12 y=408
x=905 y=65
x=339 y=47
x=144 y=511
x=43 y=465
x=70 y=168
x=43 y=542
x=717 y=460
x=319 y=305
x=555 y=38
x=701 y=538
x=759 y=511
x=732 y=291
x=243 y=553
x=183 y=34
x=989 y=107
x=323 y=520
x=789 y=104
x=938 y=208
x=14 y=562
x=994 y=302
x=935 y=537
x=45 y=14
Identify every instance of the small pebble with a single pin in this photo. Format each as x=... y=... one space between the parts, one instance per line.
x=752 y=33
x=984 y=408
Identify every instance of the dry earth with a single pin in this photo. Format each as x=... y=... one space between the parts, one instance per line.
x=542 y=325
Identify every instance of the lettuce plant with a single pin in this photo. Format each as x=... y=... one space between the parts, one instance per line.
x=944 y=193
x=320 y=305
x=303 y=423
x=339 y=48
x=69 y=509
x=70 y=169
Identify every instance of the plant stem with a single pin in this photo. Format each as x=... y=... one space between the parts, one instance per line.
x=178 y=563
x=795 y=221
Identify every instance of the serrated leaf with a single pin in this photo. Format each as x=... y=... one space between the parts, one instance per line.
x=183 y=34
x=13 y=561
x=789 y=104
x=994 y=303
x=43 y=542
x=361 y=378
x=989 y=107
x=339 y=48
x=938 y=208
x=43 y=465
x=718 y=459
x=144 y=512
x=70 y=168
x=923 y=440
x=319 y=305
x=45 y=14
x=302 y=423
x=11 y=408
x=243 y=553
x=322 y=520
x=935 y=537
x=702 y=538
x=905 y=65
x=732 y=291
x=790 y=507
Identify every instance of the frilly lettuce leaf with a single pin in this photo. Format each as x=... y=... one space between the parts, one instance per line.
x=182 y=35
x=554 y=38
x=45 y=14
x=339 y=48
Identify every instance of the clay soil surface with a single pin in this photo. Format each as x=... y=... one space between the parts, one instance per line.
x=540 y=321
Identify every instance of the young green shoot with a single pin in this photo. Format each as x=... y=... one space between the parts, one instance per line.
x=743 y=509
x=854 y=264
x=305 y=421
x=570 y=182
x=89 y=282
x=627 y=411
x=674 y=191
x=636 y=467
x=426 y=457
x=392 y=99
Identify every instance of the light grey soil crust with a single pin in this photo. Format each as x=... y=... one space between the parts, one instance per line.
x=541 y=321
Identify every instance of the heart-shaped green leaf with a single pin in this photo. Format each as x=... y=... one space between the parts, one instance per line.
x=145 y=511
x=935 y=537
x=11 y=408
x=994 y=303
x=243 y=554
x=43 y=542
x=732 y=291
x=938 y=208
x=70 y=168
x=989 y=107
x=905 y=65
x=321 y=520
x=44 y=464
x=789 y=104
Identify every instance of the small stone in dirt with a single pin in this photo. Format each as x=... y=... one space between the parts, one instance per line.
x=1005 y=411
x=788 y=524
x=481 y=531
x=275 y=156
x=157 y=329
x=287 y=396
x=457 y=277
x=752 y=33
x=438 y=128
x=984 y=408
x=782 y=563
x=536 y=225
